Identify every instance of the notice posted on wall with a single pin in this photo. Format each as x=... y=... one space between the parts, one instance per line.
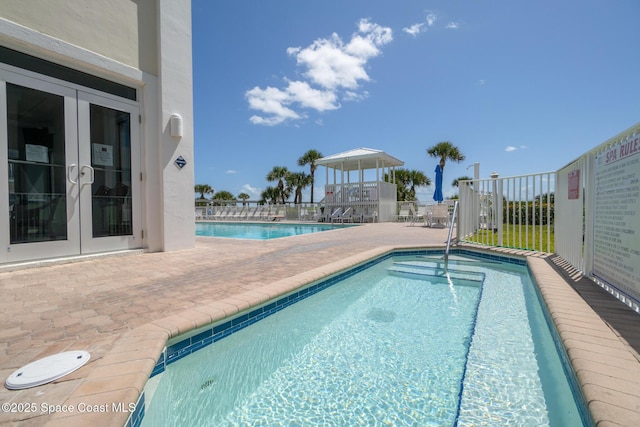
x=617 y=223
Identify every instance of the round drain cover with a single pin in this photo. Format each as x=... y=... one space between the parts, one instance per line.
x=47 y=369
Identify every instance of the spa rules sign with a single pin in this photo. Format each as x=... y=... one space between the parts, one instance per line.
x=617 y=224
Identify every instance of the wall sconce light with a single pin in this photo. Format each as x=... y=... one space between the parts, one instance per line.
x=176 y=125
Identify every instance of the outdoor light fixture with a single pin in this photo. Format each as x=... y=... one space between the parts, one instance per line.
x=176 y=125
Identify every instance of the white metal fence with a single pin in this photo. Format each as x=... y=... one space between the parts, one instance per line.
x=588 y=212
x=512 y=212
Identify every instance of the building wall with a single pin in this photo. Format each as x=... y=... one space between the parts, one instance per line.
x=110 y=28
x=144 y=44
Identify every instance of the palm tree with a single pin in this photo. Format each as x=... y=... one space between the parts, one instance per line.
x=244 y=197
x=406 y=183
x=279 y=173
x=416 y=178
x=299 y=180
x=446 y=151
x=223 y=196
x=309 y=158
x=203 y=189
x=456 y=182
x=270 y=195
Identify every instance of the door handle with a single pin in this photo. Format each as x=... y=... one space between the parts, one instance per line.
x=91 y=173
x=70 y=168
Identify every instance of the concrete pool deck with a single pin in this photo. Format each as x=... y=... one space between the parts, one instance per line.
x=122 y=309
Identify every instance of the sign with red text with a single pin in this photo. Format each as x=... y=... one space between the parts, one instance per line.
x=574 y=184
x=617 y=216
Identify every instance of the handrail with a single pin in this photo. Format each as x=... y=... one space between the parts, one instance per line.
x=455 y=211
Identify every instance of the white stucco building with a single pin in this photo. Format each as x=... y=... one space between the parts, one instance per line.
x=96 y=127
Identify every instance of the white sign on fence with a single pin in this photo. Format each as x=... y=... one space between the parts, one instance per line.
x=617 y=222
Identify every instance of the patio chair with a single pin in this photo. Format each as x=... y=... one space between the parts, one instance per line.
x=419 y=215
x=405 y=212
x=439 y=216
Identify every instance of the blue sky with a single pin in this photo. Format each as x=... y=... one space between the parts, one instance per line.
x=518 y=86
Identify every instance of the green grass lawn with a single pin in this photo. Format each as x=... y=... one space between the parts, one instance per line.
x=514 y=236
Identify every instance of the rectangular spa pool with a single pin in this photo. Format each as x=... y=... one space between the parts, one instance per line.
x=397 y=341
x=260 y=231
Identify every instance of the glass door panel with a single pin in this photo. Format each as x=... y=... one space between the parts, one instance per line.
x=109 y=168
x=111 y=163
x=36 y=165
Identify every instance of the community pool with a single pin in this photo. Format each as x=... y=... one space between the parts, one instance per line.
x=397 y=341
x=259 y=231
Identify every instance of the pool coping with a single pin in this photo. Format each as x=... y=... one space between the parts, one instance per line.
x=606 y=367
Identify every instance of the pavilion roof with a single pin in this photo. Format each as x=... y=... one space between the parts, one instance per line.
x=359 y=159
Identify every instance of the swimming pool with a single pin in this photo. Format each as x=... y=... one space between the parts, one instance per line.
x=259 y=231
x=395 y=342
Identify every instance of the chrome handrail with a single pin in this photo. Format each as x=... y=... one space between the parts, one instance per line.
x=455 y=211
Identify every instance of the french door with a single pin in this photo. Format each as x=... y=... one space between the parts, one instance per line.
x=71 y=159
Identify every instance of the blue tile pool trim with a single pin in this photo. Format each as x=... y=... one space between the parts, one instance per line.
x=178 y=350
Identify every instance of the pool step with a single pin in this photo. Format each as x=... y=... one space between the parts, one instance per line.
x=457 y=259
x=431 y=271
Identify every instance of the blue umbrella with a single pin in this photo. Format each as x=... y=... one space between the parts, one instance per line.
x=437 y=195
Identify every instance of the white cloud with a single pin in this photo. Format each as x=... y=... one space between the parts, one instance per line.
x=335 y=68
x=254 y=192
x=418 y=28
x=414 y=29
x=271 y=101
x=452 y=26
x=232 y=171
x=431 y=18
x=306 y=96
x=482 y=82
x=512 y=148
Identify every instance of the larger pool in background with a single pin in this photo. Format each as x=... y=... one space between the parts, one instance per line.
x=260 y=231
x=399 y=341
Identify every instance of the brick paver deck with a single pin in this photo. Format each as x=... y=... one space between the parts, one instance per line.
x=122 y=309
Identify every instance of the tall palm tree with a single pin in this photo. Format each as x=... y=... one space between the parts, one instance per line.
x=309 y=158
x=203 y=189
x=446 y=151
x=298 y=180
x=279 y=173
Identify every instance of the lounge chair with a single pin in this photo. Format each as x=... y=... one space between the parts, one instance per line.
x=346 y=216
x=220 y=213
x=251 y=213
x=278 y=215
x=335 y=215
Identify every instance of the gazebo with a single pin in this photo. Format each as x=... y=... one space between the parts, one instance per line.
x=373 y=200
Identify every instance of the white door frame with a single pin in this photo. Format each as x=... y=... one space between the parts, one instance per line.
x=77 y=153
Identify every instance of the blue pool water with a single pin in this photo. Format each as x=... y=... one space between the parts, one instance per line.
x=401 y=342
x=259 y=231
